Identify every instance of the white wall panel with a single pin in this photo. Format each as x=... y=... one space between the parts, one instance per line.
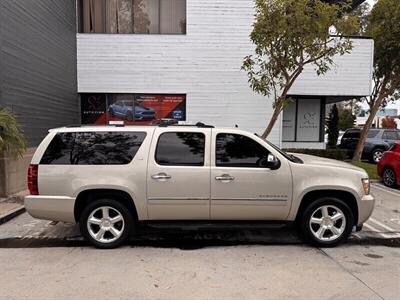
x=204 y=64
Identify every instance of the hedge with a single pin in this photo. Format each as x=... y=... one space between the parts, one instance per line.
x=334 y=153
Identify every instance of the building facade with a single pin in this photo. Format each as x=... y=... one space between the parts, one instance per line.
x=38 y=64
x=37 y=75
x=182 y=59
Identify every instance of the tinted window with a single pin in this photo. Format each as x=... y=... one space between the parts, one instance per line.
x=352 y=134
x=372 y=133
x=234 y=150
x=93 y=148
x=391 y=135
x=181 y=149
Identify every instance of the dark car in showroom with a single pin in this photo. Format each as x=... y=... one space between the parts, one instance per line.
x=378 y=141
x=131 y=110
x=389 y=167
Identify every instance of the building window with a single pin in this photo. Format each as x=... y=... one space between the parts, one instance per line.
x=133 y=16
x=302 y=120
x=139 y=109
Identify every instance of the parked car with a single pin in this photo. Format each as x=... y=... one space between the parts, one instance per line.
x=378 y=141
x=130 y=110
x=389 y=167
x=339 y=137
x=113 y=179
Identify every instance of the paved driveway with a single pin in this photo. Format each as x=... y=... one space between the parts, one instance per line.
x=47 y=260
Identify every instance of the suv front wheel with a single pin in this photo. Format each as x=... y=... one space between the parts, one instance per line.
x=327 y=222
x=105 y=223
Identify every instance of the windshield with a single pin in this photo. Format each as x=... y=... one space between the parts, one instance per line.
x=290 y=157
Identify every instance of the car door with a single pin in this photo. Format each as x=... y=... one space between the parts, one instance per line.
x=178 y=177
x=350 y=139
x=242 y=188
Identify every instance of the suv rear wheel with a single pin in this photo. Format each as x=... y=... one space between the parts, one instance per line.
x=327 y=222
x=106 y=223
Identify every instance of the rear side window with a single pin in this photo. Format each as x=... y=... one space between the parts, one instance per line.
x=93 y=148
x=352 y=134
x=235 y=150
x=391 y=135
x=372 y=133
x=180 y=149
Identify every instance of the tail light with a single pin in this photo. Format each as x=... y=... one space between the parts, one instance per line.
x=33 y=179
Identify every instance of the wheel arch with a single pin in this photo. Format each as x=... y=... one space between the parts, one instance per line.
x=314 y=195
x=86 y=196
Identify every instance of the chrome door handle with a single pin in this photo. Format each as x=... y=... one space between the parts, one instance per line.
x=161 y=176
x=224 y=177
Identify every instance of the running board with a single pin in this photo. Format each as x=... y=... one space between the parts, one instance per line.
x=217 y=225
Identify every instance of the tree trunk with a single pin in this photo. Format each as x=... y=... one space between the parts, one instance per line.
x=275 y=115
x=363 y=135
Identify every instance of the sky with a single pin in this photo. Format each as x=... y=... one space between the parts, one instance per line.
x=396 y=104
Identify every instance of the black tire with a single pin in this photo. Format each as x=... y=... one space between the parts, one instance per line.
x=378 y=152
x=306 y=227
x=389 y=177
x=115 y=207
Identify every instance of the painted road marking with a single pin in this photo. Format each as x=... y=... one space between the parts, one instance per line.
x=383 y=188
x=382 y=225
x=372 y=228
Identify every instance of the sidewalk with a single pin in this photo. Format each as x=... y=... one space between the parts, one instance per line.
x=12 y=206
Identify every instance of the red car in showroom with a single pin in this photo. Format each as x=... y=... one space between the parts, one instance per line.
x=389 y=166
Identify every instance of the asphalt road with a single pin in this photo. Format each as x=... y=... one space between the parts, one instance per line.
x=48 y=260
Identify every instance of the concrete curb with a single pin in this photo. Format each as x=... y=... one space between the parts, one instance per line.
x=11 y=214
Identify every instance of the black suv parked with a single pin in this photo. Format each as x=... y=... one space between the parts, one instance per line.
x=378 y=141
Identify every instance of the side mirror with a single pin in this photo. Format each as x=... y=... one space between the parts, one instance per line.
x=272 y=162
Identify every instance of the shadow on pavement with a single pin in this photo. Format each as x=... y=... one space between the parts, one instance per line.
x=192 y=240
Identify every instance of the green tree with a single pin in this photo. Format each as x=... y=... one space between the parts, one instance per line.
x=289 y=35
x=333 y=126
x=346 y=119
x=383 y=26
x=12 y=139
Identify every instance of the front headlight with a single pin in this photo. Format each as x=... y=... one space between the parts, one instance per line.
x=366 y=185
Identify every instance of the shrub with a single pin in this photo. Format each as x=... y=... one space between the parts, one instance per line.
x=12 y=139
x=334 y=153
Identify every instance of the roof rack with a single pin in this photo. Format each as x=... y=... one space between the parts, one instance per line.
x=173 y=122
x=88 y=125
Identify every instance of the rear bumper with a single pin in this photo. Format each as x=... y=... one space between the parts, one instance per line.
x=365 y=207
x=55 y=208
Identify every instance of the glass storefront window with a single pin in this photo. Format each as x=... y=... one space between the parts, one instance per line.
x=302 y=120
x=139 y=109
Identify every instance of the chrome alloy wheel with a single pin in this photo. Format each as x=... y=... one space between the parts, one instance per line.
x=389 y=177
x=105 y=224
x=327 y=223
x=377 y=155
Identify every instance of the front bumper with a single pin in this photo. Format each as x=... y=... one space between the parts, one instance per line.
x=55 y=208
x=365 y=207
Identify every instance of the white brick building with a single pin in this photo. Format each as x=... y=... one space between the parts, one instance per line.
x=195 y=48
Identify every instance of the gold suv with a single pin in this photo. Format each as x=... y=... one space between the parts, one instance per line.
x=110 y=178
